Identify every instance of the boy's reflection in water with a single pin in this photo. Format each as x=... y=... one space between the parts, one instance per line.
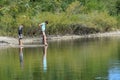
x=44 y=58
x=21 y=57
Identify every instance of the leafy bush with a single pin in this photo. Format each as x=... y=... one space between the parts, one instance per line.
x=61 y=14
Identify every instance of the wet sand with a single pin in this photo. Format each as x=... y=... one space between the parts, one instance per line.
x=7 y=41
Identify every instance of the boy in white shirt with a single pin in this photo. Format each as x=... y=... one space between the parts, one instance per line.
x=43 y=26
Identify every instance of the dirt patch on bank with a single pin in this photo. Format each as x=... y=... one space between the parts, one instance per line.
x=6 y=41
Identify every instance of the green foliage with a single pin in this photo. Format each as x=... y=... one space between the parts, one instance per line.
x=60 y=14
x=118 y=20
x=118 y=6
x=73 y=8
x=103 y=20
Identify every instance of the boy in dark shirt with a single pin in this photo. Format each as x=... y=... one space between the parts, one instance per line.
x=20 y=36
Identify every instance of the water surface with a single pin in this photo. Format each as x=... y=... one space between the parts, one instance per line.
x=81 y=59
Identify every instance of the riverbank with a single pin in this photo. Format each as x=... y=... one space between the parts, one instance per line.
x=5 y=41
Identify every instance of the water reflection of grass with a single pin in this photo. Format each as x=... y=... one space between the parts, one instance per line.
x=93 y=59
x=85 y=61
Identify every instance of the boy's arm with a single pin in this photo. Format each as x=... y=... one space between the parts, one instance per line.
x=39 y=26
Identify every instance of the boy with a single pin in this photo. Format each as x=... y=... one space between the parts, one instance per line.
x=43 y=26
x=20 y=30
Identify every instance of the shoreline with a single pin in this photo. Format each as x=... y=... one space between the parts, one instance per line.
x=6 y=41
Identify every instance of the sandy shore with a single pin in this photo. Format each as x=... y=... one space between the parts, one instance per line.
x=14 y=41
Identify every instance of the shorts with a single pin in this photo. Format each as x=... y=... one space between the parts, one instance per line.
x=20 y=36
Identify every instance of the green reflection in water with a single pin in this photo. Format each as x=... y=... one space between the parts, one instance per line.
x=82 y=59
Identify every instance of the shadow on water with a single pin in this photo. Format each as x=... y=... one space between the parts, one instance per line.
x=45 y=58
x=21 y=57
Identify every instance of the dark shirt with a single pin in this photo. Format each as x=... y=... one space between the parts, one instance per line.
x=20 y=29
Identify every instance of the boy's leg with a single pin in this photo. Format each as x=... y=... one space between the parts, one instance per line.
x=20 y=39
x=44 y=38
x=45 y=42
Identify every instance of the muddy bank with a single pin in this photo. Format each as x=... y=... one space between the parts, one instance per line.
x=14 y=41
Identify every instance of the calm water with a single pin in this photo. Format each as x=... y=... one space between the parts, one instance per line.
x=82 y=59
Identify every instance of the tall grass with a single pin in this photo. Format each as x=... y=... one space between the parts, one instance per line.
x=92 y=14
x=58 y=23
